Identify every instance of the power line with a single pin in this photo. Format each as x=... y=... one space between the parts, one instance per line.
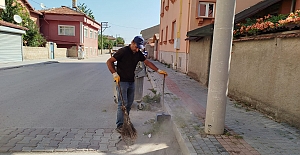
x=126 y=26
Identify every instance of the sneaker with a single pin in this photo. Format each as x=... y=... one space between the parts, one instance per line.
x=119 y=128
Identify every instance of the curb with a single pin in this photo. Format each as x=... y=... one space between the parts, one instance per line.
x=182 y=139
x=25 y=65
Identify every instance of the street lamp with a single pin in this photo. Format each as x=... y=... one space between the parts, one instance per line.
x=104 y=25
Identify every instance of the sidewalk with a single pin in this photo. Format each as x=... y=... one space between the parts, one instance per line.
x=10 y=65
x=247 y=131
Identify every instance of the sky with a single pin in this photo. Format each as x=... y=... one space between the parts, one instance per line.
x=126 y=18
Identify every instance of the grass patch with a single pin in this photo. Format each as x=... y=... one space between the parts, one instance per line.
x=153 y=91
x=154 y=130
x=196 y=127
x=238 y=137
x=180 y=122
x=151 y=99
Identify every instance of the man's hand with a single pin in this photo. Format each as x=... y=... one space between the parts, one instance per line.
x=162 y=72
x=116 y=77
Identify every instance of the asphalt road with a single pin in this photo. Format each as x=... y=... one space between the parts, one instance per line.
x=70 y=95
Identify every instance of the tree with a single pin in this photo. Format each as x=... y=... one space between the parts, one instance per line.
x=106 y=42
x=12 y=8
x=32 y=37
x=119 y=41
x=83 y=7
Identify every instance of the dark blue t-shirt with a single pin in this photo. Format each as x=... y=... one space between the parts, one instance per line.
x=127 y=61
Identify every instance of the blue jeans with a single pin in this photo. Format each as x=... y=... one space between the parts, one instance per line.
x=127 y=89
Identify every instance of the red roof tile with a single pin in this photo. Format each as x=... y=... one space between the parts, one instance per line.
x=62 y=10
x=65 y=11
x=31 y=9
x=4 y=23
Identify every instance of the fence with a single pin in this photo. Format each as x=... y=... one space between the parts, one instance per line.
x=34 y=53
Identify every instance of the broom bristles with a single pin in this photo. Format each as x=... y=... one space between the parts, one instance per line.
x=128 y=130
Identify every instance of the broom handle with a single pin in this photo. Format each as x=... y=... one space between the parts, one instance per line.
x=120 y=91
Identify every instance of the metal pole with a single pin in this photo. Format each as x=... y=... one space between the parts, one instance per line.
x=219 y=69
x=103 y=27
x=116 y=40
x=101 y=39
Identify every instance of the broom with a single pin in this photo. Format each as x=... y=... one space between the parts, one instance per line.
x=127 y=131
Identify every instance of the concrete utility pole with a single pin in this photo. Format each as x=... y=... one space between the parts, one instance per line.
x=219 y=69
x=104 y=25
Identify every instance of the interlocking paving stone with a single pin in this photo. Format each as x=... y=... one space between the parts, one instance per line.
x=57 y=140
x=258 y=132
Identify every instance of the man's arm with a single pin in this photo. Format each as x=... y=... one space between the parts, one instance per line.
x=110 y=64
x=150 y=65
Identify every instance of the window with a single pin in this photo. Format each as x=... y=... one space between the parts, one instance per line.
x=179 y=61
x=162 y=9
x=166 y=34
x=206 y=9
x=162 y=34
x=85 y=32
x=167 y=5
x=66 y=30
x=91 y=33
x=96 y=35
x=173 y=32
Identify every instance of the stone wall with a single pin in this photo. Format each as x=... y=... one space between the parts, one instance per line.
x=265 y=73
x=35 y=53
x=199 y=60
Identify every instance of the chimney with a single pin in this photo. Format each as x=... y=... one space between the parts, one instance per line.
x=74 y=4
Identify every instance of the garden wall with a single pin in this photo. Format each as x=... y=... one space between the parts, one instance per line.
x=34 y=53
x=265 y=73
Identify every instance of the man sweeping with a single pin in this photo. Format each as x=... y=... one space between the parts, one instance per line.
x=127 y=59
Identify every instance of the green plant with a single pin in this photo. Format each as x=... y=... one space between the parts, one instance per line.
x=151 y=99
x=196 y=127
x=32 y=37
x=266 y=24
x=83 y=7
x=153 y=91
x=180 y=122
x=238 y=137
x=154 y=129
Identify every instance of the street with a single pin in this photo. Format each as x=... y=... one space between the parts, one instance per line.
x=68 y=106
